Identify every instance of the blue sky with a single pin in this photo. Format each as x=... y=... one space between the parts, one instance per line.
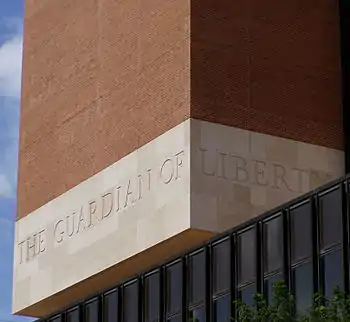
x=11 y=17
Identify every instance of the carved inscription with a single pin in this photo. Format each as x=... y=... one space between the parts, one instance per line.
x=32 y=246
x=113 y=201
x=229 y=166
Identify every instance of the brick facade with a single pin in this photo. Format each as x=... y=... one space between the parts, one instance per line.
x=103 y=77
x=100 y=79
x=268 y=66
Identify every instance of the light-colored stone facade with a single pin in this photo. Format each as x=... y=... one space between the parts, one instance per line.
x=195 y=180
x=239 y=174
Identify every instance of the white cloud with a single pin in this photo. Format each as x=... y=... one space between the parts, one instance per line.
x=10 y=89
x=6 y=190
x=11 y=66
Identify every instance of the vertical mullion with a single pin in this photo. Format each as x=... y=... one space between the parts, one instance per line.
x=102 y=314
x=184 y=310
x=161 y=289
x=211 y=283
x=165 y=291
x=259 y=258
x=208 y=288
x=233 y=273
x=99 y=308
x=120 y=297
x=80 y=312
x=286 y=248
x=345 y=243
x=318 y=284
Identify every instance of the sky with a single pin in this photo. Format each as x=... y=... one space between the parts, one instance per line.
x=11 y=23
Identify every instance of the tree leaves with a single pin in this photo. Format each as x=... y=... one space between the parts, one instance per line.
x=282 y=308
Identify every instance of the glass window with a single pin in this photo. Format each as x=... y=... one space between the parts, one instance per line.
x=197 y=315
x=91 y=311
x=222 y=309
x=152 y=298
x=56 y=319
x=301 y=232
x=110 y=307
x=247 y=256
x=176 y=318
x=273 y=244
x=303 y=287
x=197 y=277
x=221 y=263
x=331 y=218
x=174 y=287
x=130 y=303
x=247 y=293
x=269 y=286
x=333 y=272
x=73 y=315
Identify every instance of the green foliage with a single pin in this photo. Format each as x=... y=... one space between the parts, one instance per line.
x=282 y=308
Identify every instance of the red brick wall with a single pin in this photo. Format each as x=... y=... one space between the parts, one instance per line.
x=269 y=66
x=103 y=77
x=100 y=79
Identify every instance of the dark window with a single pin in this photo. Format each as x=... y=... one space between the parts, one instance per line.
x=270 y=286
x=247 y=293
x=197 y=315
x=303 y=287
x=174 y=287
x=331 y=218
x=56 y=319
x=221 y=267
x=333 y=272
x=176 y=318
x=130 y=303
x=301 y=231
x=247 y=256
x=273 y=244
x=152 y=298
x=222 y=309
x=110 y=307
x=91 y=311
x=73 y=315
x=196 y=277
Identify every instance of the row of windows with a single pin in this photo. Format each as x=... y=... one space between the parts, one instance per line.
x=304 y=244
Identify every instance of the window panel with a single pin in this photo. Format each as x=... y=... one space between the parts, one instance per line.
x=176 y=318
x=197 y=315
x=110 y=307
x=247 y=256
x=174 y=287
x=221 y=263
x=73 y=315
x=269 y=286
x=152 y=297
x=91 y=311
x=303 y=287
x=331 y=218
x=273 y=244
x=247 y=293
x=333 y=272
x=301 y=232
x=56 y=319
x=222 y=309
x=197 y=277
x=130 y=303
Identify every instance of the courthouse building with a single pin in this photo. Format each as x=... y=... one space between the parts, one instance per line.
x=169 y=156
